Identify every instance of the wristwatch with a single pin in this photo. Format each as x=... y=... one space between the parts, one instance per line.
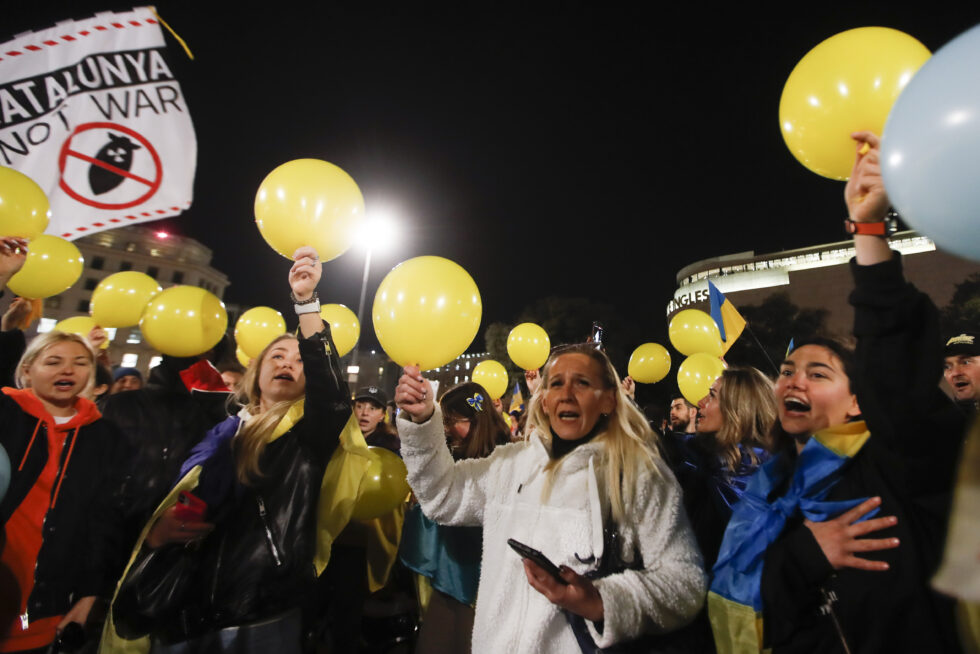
x=883 y=228
x=311 y=305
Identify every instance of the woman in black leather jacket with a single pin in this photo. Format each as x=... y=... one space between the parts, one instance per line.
x=242 y=580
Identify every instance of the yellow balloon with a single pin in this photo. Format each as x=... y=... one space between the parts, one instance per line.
x=649 y=363
x=528 y=346
x=184 y=321
x=52 y=266
x=309 y=202
x=492 y=376
x=243 y=358
x=24 y=209
x=343 y=326
x=384 y=485
x=692 y=331
x=80 y=325
x=696 y=374
x=426 y=312
x=256 y=328
x=119 y=299
x=847 y=83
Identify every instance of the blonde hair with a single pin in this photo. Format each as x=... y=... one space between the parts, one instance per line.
x=251 y=439
x=40 y=344
x=629 y=440
x=748 y=413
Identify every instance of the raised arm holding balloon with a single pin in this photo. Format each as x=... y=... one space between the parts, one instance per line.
x=867 y=201
x=585 y=434
x=15 y=314
x=533 y=379
x=450 y=556
x=866 y=445
x=262 y=475
x=13 y=253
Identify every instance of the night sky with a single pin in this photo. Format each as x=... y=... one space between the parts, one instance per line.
x=574 y=150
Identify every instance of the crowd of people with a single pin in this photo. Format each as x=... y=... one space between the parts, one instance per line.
x=201 y=510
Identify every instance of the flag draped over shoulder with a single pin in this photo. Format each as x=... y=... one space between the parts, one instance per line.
x=340 y=488
x=92 y=112
x=730 y=322
x=735 y=598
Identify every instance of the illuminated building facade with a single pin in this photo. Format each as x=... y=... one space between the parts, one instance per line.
x=815 y=277
x=457 y=371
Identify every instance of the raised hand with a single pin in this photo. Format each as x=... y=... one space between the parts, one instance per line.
x=13 y=253
x=16 y=314
x=865 y=195
x=305 y=273
x=629 y=386
x=413 y=395
x=840 y=538
x=533 y=379
x=578 y=595
x=96 y=337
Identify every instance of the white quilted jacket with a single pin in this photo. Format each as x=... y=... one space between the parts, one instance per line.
x=503 y=494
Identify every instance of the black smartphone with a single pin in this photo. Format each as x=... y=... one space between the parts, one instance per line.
x=540 y=559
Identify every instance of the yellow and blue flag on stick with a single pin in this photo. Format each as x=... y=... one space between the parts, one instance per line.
x=730 y=322
x=516 y=399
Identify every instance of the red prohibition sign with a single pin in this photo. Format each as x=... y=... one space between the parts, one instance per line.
x=66 y=152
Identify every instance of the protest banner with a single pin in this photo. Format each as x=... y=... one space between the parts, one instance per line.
x=91 y=111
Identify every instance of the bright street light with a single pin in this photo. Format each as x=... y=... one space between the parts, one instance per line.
x=378 y=232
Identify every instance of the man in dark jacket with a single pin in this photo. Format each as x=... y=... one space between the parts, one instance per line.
x=182 y=399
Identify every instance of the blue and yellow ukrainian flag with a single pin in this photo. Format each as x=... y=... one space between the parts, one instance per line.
x=735 y=596
x=516 y=399
x=730 y=322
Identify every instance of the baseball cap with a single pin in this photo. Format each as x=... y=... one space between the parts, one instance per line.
x=373 y=394
x=967 y=343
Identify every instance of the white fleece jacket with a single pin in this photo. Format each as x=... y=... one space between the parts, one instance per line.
x=503 y=493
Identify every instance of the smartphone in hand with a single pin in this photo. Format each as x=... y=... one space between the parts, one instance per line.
x=540 y=559
x=190 y=508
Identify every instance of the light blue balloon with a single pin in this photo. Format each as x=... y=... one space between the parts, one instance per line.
x=4 y=472
x=930 y=153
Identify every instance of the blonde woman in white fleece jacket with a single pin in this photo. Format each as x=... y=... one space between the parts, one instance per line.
x=588 y=461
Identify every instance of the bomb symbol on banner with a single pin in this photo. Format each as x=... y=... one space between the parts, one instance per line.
x=118 y=152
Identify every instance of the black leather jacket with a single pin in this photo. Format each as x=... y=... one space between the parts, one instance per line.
x=258 y=562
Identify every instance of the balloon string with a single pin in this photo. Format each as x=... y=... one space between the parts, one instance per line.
x=175 y=35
